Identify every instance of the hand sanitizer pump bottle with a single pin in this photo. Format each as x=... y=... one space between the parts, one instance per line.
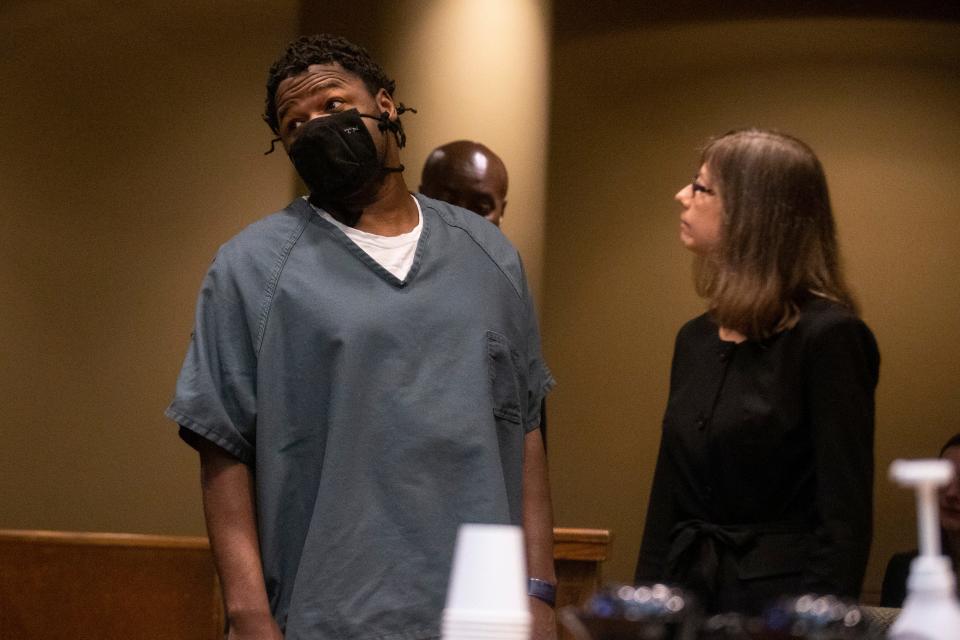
x=931 y=610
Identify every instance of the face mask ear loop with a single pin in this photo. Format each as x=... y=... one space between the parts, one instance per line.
x=386 y=124
x=272 y=145
x=401 y=134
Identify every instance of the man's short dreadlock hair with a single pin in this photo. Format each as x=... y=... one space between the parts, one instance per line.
x=323 y=49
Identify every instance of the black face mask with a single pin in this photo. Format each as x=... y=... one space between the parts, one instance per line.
x=335 y=155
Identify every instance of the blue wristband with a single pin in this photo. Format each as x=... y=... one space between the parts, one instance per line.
x=542 y=590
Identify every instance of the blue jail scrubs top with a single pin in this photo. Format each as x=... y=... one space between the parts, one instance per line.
x=377 y=414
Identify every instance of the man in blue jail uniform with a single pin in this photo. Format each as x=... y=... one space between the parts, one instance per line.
x=365 y=374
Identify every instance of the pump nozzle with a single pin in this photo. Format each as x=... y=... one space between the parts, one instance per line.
x=925 y=476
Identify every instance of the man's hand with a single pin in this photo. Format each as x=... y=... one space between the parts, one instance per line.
x=544 y=623
x=230 y=509
x=254 y=626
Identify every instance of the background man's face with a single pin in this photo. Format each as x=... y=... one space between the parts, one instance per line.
x=468 y=178
x=478 y=193
x=950 y=495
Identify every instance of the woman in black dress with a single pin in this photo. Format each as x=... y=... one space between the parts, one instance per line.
x=763 y=484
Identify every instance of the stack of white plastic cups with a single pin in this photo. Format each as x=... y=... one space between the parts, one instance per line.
x=487 y=596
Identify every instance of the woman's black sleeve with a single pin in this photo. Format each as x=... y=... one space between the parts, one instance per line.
x=655 y=545
x=840 y=378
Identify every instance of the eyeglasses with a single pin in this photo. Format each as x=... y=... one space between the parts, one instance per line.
x=696 y=186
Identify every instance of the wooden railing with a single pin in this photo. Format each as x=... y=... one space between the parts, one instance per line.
x=107 y=586
x=110 y=586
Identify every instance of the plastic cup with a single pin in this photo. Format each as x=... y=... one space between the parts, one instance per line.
x=459 y=630
x=488 y=577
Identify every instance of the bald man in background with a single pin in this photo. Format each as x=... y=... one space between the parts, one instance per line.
x=469 y=175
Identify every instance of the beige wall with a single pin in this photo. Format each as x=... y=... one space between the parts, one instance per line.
x=131 y=149
x=877 y=100
x=478 y=69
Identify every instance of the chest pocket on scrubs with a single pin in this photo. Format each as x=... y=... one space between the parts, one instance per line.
x=505 y=385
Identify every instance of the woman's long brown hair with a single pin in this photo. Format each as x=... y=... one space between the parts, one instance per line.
x=778 y=241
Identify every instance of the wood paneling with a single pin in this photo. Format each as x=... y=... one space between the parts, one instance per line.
x=124 y=586
x=107 y=586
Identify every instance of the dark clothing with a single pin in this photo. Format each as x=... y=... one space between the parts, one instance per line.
x=377 y=414
x=764 y=479
x=894 y=589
